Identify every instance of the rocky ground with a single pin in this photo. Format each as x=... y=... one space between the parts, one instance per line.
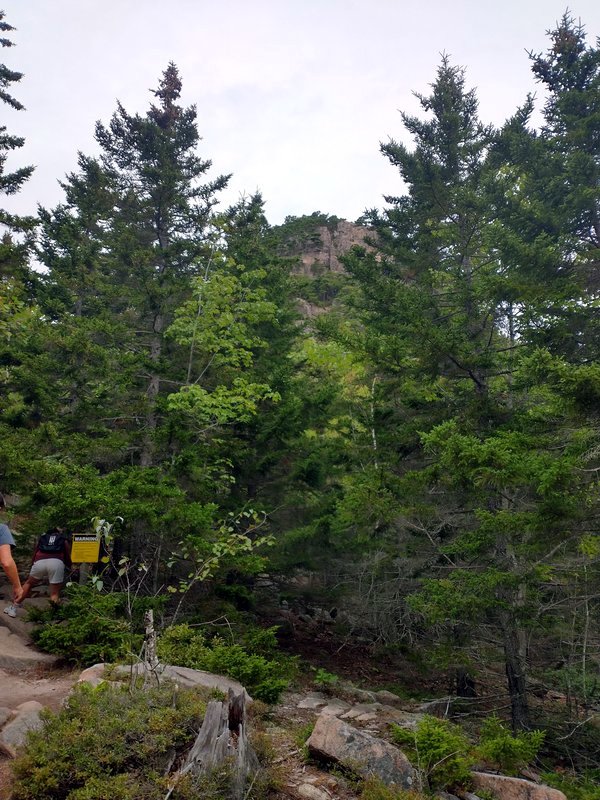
x=26 y=677
x=346 y=725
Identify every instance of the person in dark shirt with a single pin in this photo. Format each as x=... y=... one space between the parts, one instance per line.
x=51 y=555
x=8 y=563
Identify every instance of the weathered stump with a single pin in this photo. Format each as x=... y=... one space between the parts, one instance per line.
x=150 y=659
x=222 y=739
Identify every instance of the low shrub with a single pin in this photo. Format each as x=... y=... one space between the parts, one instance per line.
x=575 y=787
x=502 y=750
x=88 y=628
x=92 y=626
x=264 y=678
x=373 y=788
x=325 y=681
x=108 y=742
x=439 y=750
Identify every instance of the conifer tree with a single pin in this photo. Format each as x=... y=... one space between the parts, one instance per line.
x=10 y=182
x=570 y=74
x=482 y=478
x=15 y=309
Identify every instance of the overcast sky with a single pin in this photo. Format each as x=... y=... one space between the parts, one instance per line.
x=293 y=96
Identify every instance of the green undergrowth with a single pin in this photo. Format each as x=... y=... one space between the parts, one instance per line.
x=255 y=662
x=117 y=742
x=439 y=750
x=92 y=626
x=443 y=754
x=301 y=737
x=576 y=787
x=108 y=742
x=374 y=789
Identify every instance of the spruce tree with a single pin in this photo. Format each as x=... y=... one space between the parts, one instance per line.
x=10 y=182
x=482 y=476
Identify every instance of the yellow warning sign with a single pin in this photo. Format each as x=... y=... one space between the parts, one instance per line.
x=85 y=548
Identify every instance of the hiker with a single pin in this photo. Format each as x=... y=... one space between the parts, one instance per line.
x=8 y=563
x=51 y=555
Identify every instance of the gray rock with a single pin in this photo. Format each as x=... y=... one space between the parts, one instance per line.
x=15 y=652
x=187 y=677
x=312 y=792
x=183 y=676
x=367 y=717
x=14 y=733
x=335 y=707
x=388 y=698
x=505 y=788
x=360 y=709
x=5 y=715
x=313 y=701
x=334 y=740
x=93 y=675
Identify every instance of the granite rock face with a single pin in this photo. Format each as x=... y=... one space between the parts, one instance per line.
x=504 y=788
x=14 y=733
x=334 y=740
x=183 y=676
x=323 y=252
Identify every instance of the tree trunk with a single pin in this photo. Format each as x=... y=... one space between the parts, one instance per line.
x=151 y=662
x=222 y=737
x=465 y=684
x=515 y=674
x=147 y=454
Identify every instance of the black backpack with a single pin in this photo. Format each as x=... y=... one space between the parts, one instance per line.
x=51 y=543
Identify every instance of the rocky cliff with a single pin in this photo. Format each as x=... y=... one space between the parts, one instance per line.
x=316 y=244
x=322 y=252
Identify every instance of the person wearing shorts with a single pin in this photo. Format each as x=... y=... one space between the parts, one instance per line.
x=7 y=561
x=49 y=565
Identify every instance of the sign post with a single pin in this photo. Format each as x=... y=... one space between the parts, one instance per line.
x=85 y=548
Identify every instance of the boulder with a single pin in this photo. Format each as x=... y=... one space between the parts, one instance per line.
x=335 y=741
x=311 y=792
x=183 y=676
x=313 y=701
x=388 y=698
x=505 y=788
x=5 y=715
x=93 y=675
x=14 y=733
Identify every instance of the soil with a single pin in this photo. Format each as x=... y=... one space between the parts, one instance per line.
x=49 y=686
x=285 y=722
x=317 y=647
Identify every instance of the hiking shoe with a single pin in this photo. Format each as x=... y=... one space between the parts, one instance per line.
x=11 y=610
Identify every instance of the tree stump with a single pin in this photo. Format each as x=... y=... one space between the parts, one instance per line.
x=151 y=662
x=222 y=739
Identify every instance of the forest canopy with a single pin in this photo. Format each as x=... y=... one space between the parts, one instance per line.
x=425 y=440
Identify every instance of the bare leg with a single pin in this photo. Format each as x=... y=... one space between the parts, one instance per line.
x=10 y=568
x=29 y=584
x=55 y=592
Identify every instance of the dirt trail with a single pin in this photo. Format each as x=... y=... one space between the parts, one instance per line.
x=26 y=674
x=48 y=686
